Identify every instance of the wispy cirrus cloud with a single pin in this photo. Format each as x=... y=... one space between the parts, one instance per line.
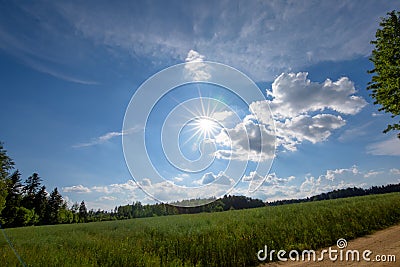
x=388 y=147
x=261 y=38
x=107 y=136
x=99 y=140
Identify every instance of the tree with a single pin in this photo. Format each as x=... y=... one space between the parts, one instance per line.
x=40 y=204
x=6 y=165
x=55 y=203
x=83 y=212
x=385 y=84
x=13 y=199
x=31 y=189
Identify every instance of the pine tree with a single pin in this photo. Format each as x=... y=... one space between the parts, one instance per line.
x=83 y=212
x=13 y=199
x=31 y=189
x=6 y=165
x=55 y=203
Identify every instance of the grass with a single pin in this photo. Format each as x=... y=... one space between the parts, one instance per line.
x=229 y=238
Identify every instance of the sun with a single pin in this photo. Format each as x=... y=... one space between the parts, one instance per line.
x=205 y=126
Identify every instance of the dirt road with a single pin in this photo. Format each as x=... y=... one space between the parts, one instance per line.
x=383 y=243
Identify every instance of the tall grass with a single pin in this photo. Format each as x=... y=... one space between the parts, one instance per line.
x=229 y=238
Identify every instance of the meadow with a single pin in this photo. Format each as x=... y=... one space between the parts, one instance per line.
x=230 y=238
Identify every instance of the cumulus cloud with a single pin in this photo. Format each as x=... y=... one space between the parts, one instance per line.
x=76 y=189
x=293 y=94
x=372 y=173
x=331 y=175
x=196 y=70
x=220 y=179
x=395 y=171
x=298 y=106
x=275 y=187
x=314 y=129
x=271 y=179
x=248 y=140
x=130 y=185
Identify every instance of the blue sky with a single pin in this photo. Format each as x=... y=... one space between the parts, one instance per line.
x=69 y=70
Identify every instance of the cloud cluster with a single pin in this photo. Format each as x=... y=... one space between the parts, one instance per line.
x=293 y=95
x=130 y=185
x=248 y=140
x=196 y=69
x=220 y=179
x=299 y=107
x=274 y=187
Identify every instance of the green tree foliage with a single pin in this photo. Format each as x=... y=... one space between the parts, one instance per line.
x=55 y=204
x=385 y=83
x=6 y=165
x=13 y=199
x=41 y=203
x=31 y=189
x=83 y=212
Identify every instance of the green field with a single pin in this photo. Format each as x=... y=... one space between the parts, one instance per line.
x=229 y=238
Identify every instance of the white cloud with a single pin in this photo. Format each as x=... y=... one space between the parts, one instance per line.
x=194 y=56
x=99 y=140
x=181 y=177
x=271 y=179
x=395 y=171
x=196 y=69
x=372 y=173
x=130 y=185
x=220 y=178
x=389 y=147
x=264 y=37
x=248 y=140
x=167 y=192
x=76 y=189
x=107 y=198
x=331 y=175
x=108 y=136
x=298 y=104
x=374 y=114
x=291 y=187
x=293 y=94
x=224 y=117
x=314 y=129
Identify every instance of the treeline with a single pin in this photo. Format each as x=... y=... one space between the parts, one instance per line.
x=28 y=203
x=137 y=210
x=342 y=193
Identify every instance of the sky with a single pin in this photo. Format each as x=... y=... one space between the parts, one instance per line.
x=117 y=102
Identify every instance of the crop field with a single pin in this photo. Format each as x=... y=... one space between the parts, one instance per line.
x=230 y=238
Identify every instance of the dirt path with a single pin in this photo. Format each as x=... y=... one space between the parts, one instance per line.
x=384 y=242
